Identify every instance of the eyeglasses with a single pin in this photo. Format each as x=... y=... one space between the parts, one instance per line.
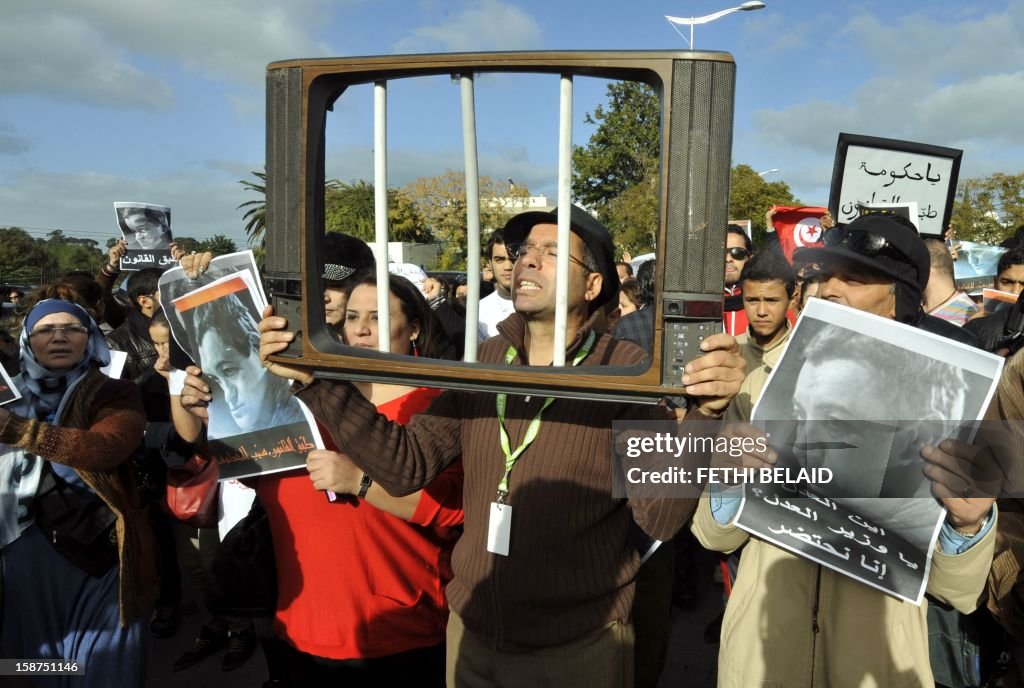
x=50 y=331
x=738 y=253
x=861 y=241
x=544 y=252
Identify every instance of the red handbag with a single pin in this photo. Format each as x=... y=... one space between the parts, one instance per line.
x=192 y=491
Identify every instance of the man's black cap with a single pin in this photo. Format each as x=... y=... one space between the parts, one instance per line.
x=594 y=234
x=908 y=263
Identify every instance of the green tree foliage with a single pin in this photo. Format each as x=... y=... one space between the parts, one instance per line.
x=750 y=197
x=22 y=258
x=623 y=151
x=617 y=173
x=67 y=254
x=632 y=217
x=256 y=210
x=441 y=203
x=351 y=208
x=989 y=209
x=188 y=244
x=218 y=244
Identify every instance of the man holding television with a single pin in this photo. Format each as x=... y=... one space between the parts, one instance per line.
x=546 y=598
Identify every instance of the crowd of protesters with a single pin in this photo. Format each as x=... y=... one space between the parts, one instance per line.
x=409 y=576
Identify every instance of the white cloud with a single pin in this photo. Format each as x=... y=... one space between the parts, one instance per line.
x=923 y=46
x=949 y=81
x=232 y=39
x=481 y=25
x=64 y=57
x=102 y=52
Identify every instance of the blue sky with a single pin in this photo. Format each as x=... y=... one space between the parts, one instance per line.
x=162 y=101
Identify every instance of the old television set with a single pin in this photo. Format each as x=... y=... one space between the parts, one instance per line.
x=310 y=102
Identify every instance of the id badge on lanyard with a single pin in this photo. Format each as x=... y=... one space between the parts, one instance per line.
x=499 y=524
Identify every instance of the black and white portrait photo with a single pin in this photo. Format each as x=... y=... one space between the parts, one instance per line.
x=255 y=424
x=174 y=283
x=861 y=396
x=146 y=229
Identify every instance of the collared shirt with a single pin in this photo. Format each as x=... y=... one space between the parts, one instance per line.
x=760 y=362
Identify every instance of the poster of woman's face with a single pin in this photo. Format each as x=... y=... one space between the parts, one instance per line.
x=146 y=229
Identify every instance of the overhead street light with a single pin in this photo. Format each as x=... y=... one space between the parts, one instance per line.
x=774 y=169
x=676 y=22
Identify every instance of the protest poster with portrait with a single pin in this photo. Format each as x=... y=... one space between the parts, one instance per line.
x=860 y=396
x=995 y=301
x=871 y=170
x=976 y=265
x=255 y=425
x=146 y=229
x=175 y=283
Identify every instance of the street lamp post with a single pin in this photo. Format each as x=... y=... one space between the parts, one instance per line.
x=774 y=169
x=707 y=19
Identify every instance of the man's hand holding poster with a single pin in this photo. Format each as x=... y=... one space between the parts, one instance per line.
x=858 y=398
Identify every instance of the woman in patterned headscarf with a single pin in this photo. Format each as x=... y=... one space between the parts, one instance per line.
x=76 y=554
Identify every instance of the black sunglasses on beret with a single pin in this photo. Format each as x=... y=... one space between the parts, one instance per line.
x=860 y=241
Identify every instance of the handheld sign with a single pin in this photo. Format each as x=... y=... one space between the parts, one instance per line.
x=871 y=170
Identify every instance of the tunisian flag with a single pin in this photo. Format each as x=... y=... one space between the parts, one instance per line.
x=797 y=227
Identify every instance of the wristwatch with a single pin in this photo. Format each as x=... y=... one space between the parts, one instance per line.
x=959 y=532
x=364 y=485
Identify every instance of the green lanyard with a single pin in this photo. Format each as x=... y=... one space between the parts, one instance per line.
x=531 y=432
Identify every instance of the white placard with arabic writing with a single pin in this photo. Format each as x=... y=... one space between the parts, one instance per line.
x=861 y=395
x=879 y=175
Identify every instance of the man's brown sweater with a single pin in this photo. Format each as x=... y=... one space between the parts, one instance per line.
x=571 y=567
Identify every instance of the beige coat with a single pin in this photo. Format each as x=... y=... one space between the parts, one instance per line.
x=864 y=637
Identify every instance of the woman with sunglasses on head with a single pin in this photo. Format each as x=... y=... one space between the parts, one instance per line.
x=78 y=557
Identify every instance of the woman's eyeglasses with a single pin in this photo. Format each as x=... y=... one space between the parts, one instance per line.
x=738 y=253
x=50 y=331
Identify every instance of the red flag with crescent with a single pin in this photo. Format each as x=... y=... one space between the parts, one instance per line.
x=798 y=227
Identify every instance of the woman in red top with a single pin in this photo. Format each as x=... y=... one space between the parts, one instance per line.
x=361 y=580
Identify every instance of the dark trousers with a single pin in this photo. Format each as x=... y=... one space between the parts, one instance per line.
x=422 y=667
x=170 y=573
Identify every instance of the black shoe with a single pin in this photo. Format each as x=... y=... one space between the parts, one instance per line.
x=208 y=643
x=240 y=649
x=165 y=621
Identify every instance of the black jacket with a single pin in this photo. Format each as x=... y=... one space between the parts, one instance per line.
x=989 y=329
x=944 y=328
x=132 y=337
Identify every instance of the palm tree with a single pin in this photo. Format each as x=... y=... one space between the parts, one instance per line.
x=256 y=215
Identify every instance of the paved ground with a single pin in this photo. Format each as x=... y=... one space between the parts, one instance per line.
x=691 y=662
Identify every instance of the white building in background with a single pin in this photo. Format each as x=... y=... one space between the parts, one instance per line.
x=424 y=255
x=517 y=205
